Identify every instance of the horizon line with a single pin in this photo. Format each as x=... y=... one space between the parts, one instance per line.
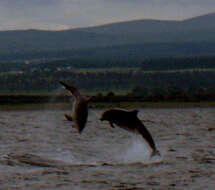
x=105 y=24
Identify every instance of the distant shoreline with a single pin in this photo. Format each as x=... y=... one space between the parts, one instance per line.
x=64 y=102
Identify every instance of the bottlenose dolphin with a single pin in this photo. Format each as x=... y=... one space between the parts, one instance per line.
x=127 y=119
x=80 y=108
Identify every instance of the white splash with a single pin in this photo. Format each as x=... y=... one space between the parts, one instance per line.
x=59 y=90
x=137 y=151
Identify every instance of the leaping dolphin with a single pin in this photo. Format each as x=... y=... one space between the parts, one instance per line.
x=80 y=108
x=127 y=119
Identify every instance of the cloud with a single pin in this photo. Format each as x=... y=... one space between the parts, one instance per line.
x=61 y=14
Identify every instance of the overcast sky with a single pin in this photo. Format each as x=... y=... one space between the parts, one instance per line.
x=64 y=14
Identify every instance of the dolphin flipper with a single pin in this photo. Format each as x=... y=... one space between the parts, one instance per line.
x=68 y=117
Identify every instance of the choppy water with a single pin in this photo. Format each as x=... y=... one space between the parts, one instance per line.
x=120 y=159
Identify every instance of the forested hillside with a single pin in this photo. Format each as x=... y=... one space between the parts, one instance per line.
x=179 y=77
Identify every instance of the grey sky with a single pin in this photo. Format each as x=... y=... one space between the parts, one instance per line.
x=64 y=14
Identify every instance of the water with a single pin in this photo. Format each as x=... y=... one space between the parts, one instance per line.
x=109 y=158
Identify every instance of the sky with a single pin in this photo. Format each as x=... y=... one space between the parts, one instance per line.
x=65 y=14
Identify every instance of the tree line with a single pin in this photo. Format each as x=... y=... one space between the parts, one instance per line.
x=176 y=77
x=136 y=83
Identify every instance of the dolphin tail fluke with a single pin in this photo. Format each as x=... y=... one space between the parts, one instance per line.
x=72 y=89
x=155 y=153
x=65 y=85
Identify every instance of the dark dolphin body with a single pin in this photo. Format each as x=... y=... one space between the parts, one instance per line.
x=80 y=108
x=127 y=119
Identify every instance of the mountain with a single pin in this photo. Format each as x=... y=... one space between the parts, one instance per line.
x=131 y=39
x=197 y=23
x=205 y=22
x=197 y=29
